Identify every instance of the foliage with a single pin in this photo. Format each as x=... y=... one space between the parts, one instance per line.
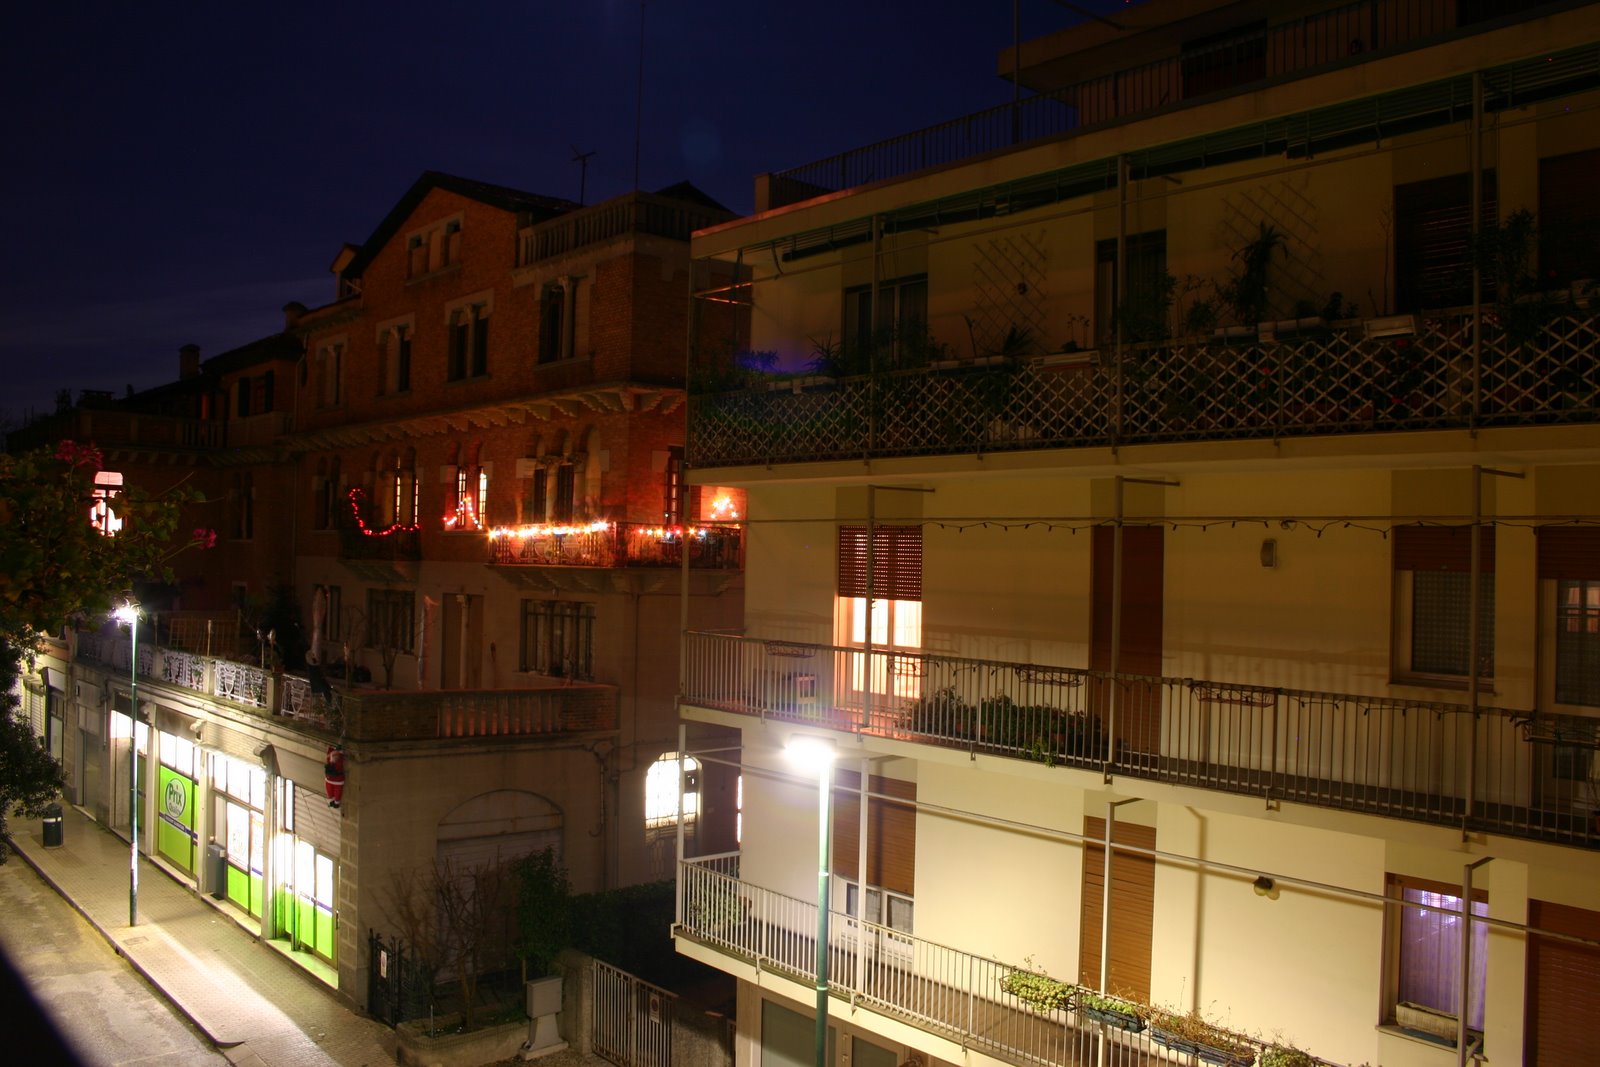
x=1336 y=308
x=276 y=613
x=1144 y=314
x=942 y=713
x=1503 y=254
x=1088 y=998
x=725 y=369
x=56 y=566
x=1286 y=1056
x=1196 y=1029
x=1245 y=292
x=1037 y=989
x=543 y=910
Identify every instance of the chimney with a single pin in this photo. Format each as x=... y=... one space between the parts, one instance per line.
x=291 y=314
x=189 y=361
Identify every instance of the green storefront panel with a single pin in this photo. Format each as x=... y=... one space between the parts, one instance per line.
x=175 y=819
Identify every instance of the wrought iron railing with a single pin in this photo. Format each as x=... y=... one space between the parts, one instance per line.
x=1295 y=46
x=617 y=544
x=633 y=213
x=956 y=994
x=1429 y=761
x=1334 y=381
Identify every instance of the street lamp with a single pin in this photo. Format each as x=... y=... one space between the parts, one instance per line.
x=129 y=613
x=817 y=753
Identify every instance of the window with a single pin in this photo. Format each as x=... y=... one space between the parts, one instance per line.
x=244 y=506
x=552 y=324
x=566 y=493
x=896 y=607
x=1569 y=218
x=471 y=494
x=1569 y=574
x=899 y=333
x=467 y=342
x=1425 y=944
x=1432 y=229
x=558 y=638
x=335 y=610
x=391 y=619
x=330 y=374
x=676 y=492
x=396 y=489
x=661 y=791
x=434 y=248
x=1433 y=601
x=1144 y=313
x=394 y=357
x=535 y=496
x=241 y=389
x=329 y=497
x=107 y=487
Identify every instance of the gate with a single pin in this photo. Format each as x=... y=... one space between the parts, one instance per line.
x=632 y=1019
x=398 y=987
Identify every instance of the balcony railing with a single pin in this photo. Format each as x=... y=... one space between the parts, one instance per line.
x=1294 y=47
x=1427 y=761
x=949 y=992
x=634 y=213
x=1338 y=381
x=367 y=714
x=617 y=544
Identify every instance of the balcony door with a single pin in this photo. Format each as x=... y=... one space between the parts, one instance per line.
x=1138 y=724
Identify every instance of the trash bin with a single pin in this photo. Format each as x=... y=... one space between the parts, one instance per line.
x=54 y=827
x=217 y=870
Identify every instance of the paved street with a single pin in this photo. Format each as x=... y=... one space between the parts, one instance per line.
x=109 y=1015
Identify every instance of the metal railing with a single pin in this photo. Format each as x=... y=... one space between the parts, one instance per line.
x=1297 y=46
x=1428 y=761
x=617 y=544
x=632 y=213
x=1334 y=381
x=956 y=994
x=367 y=714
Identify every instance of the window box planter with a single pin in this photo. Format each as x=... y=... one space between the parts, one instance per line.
x=1107 y=1012
x=1426 y=1020
x=1189 y=1035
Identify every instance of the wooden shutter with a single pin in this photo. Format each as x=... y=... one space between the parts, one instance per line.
x=1563 y=986
x=1133 y=906
x=1139 y=722
x=1441 y=548
x=1433 y=228
x=891 y=832
x=896 y=562
x=1569 y=552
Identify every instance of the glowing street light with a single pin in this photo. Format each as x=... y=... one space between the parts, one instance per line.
x=129 y=613
x=817 y=754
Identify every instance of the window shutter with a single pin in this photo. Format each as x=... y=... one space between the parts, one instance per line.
x=891 y=832
x=1569 y=552
x=896 y=562
x=1441 y=548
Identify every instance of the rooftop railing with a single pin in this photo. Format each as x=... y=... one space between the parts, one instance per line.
x=959 y=995
x=1503 y=771
x=616 y=544
x=635 y=213
x=365 y=714
x=1320 y=381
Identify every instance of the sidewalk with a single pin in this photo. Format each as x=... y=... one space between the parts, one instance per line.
x=255 y=1005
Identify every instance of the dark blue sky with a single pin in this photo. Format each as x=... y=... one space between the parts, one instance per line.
x=177 y=173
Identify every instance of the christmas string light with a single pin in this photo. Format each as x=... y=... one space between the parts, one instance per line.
x=355 y=496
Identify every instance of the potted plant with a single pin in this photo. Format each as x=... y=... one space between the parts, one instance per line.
x=1110 y=1011
x=1037 y=989
x=1192 y=1035
x=1286 y=1056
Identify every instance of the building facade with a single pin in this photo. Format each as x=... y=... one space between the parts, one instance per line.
x=1184 y=481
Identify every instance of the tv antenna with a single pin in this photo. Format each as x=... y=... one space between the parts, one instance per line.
x=582 y=160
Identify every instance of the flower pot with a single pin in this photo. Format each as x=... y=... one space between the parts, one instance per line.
x=1121 y=1020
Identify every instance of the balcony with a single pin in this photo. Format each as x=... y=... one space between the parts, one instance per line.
x=1294 y=48
x=363 y=714
x=953 y=994
x=1325 y=382
x=624 y=216
x=616 y=544
x=1501 y=771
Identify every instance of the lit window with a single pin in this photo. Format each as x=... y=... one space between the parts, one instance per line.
x=661 y=791
x=1578 y=642
x=1433 y=601
x=107 y=487
x=1426 y=944
x=896 y=622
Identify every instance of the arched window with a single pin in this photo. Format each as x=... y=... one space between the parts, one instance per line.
x=661 y=791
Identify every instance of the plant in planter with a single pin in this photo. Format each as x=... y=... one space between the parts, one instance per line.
x=942 y=713
x=1111 y=1011
x=1245 y=294
x=1037 y=989
x=1286 y=1056
x=1192 y=1034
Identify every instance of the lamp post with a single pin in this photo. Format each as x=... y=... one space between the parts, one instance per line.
x=817 y=753
x=129 y=613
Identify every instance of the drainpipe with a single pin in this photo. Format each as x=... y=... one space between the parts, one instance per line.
x=677 y=880
x=1105 y=912
x=861 y=852
x=1466 y=958
x=1116 y=627
x=872 y=330
x=1474 y=609
x=1121 y=287
x=872 y=531
x=1476 y=151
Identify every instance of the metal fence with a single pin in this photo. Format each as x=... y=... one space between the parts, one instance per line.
x=1428 y=761
x=632 y=1019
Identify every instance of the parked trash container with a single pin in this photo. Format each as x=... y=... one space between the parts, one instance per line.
x=54 y=827
x=217 y=870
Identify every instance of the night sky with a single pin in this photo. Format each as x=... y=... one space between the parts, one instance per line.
x=177 y=173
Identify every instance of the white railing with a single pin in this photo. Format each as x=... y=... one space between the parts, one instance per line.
x=956 y=994
x=240 y=683
x=1428 y=761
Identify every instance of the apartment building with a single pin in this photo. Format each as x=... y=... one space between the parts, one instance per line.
x=1185 y=481
x=454 y=500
